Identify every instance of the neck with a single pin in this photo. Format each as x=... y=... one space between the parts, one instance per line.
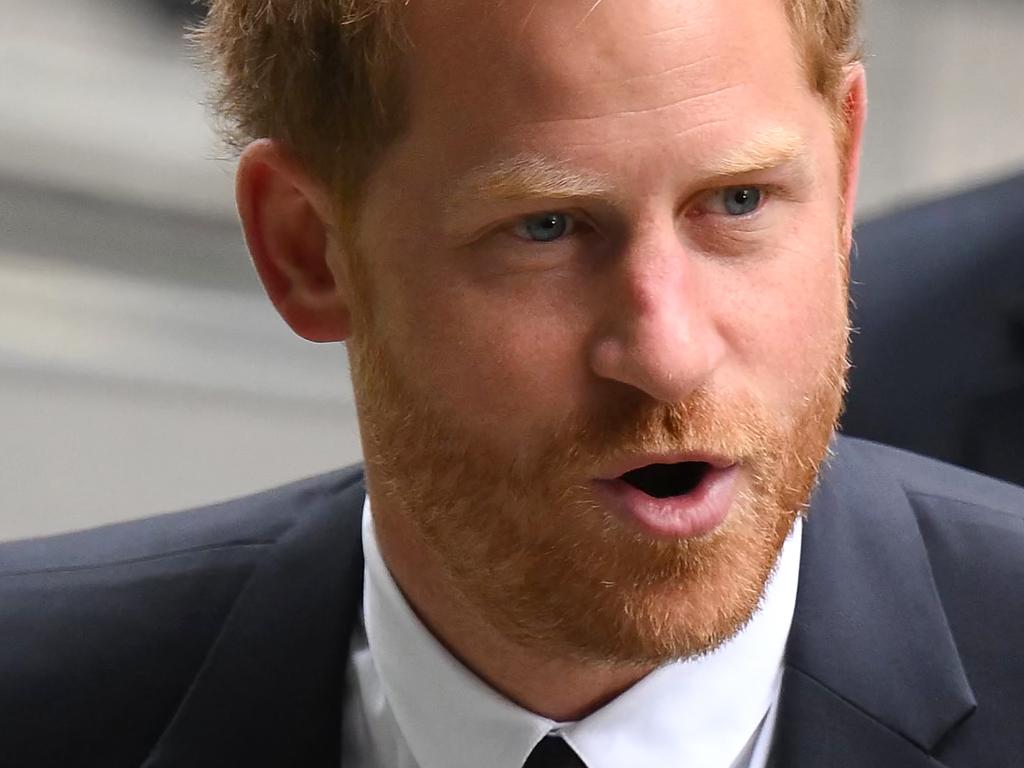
x=560 y=689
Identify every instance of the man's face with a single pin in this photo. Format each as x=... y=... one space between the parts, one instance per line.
x=609 y=239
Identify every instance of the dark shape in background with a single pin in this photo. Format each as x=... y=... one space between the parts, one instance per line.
x=182 y=12
x=938 y=296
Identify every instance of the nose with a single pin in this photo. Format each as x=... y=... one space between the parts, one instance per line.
x=658 y=332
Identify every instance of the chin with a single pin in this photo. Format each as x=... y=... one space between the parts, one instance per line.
x=609 y=595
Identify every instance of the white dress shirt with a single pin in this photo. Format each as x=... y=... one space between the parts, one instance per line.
x=410 y=704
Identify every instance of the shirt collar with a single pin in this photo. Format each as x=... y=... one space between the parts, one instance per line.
x=699 y=711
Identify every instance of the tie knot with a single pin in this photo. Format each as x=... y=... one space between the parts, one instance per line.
x=553 y=752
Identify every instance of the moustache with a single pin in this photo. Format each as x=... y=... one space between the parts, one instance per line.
x=739 y=429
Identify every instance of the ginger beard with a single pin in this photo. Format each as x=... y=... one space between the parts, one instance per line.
x=523 y=543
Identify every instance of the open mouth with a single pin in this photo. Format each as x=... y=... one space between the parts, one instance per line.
x=663 y=481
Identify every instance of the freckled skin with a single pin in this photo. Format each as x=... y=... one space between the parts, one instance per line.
x=657 y=296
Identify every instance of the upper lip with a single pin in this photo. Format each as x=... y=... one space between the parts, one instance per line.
x=636 y=461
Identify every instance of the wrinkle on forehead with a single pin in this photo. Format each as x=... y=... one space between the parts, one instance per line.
x=525 y=29
x=537 y=54
x=689 y=100
x=685 y=80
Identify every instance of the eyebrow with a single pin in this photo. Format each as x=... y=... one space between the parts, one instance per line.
x=769 y=149
x=526 y=177
x=533 y=177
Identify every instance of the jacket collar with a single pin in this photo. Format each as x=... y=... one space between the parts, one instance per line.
x=873 y=676
x=269 y=692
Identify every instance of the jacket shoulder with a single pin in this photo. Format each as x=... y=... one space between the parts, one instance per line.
x=972 y=527
x=940 y=490
x=104 y=629
x=253 y=519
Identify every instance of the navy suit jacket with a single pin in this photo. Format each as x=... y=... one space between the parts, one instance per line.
x=938 y=298
x=218 y=637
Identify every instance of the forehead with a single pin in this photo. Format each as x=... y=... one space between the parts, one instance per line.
x=597 y=69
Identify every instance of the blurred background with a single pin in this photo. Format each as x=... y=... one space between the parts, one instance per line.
x=141 y=368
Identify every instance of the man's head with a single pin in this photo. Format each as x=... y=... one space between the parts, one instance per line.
x=588 y=237
x=328 y=77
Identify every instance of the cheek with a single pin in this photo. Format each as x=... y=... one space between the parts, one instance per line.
x=788 y=323
x=507 y=361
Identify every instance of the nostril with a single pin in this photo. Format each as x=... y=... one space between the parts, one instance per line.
x=663 y=481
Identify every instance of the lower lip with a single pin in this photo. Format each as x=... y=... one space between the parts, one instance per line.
x=681 y=517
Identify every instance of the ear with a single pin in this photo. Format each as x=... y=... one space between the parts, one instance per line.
x=288 y=222
x=855 y=110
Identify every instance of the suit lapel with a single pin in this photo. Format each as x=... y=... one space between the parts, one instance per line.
x=817 y=727
x=872 y=673
x=269 y=693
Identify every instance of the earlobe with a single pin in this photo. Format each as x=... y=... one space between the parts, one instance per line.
x=287 y=221
x=855 y=107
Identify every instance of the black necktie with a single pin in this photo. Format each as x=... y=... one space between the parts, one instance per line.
x=553 y=752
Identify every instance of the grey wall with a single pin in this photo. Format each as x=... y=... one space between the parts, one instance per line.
x=946 y=96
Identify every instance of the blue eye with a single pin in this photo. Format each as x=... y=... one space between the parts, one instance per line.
x=546 y=227
x=739 y=201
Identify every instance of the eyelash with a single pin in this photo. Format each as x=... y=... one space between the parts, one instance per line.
x=767 y=193
x=579 y=223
